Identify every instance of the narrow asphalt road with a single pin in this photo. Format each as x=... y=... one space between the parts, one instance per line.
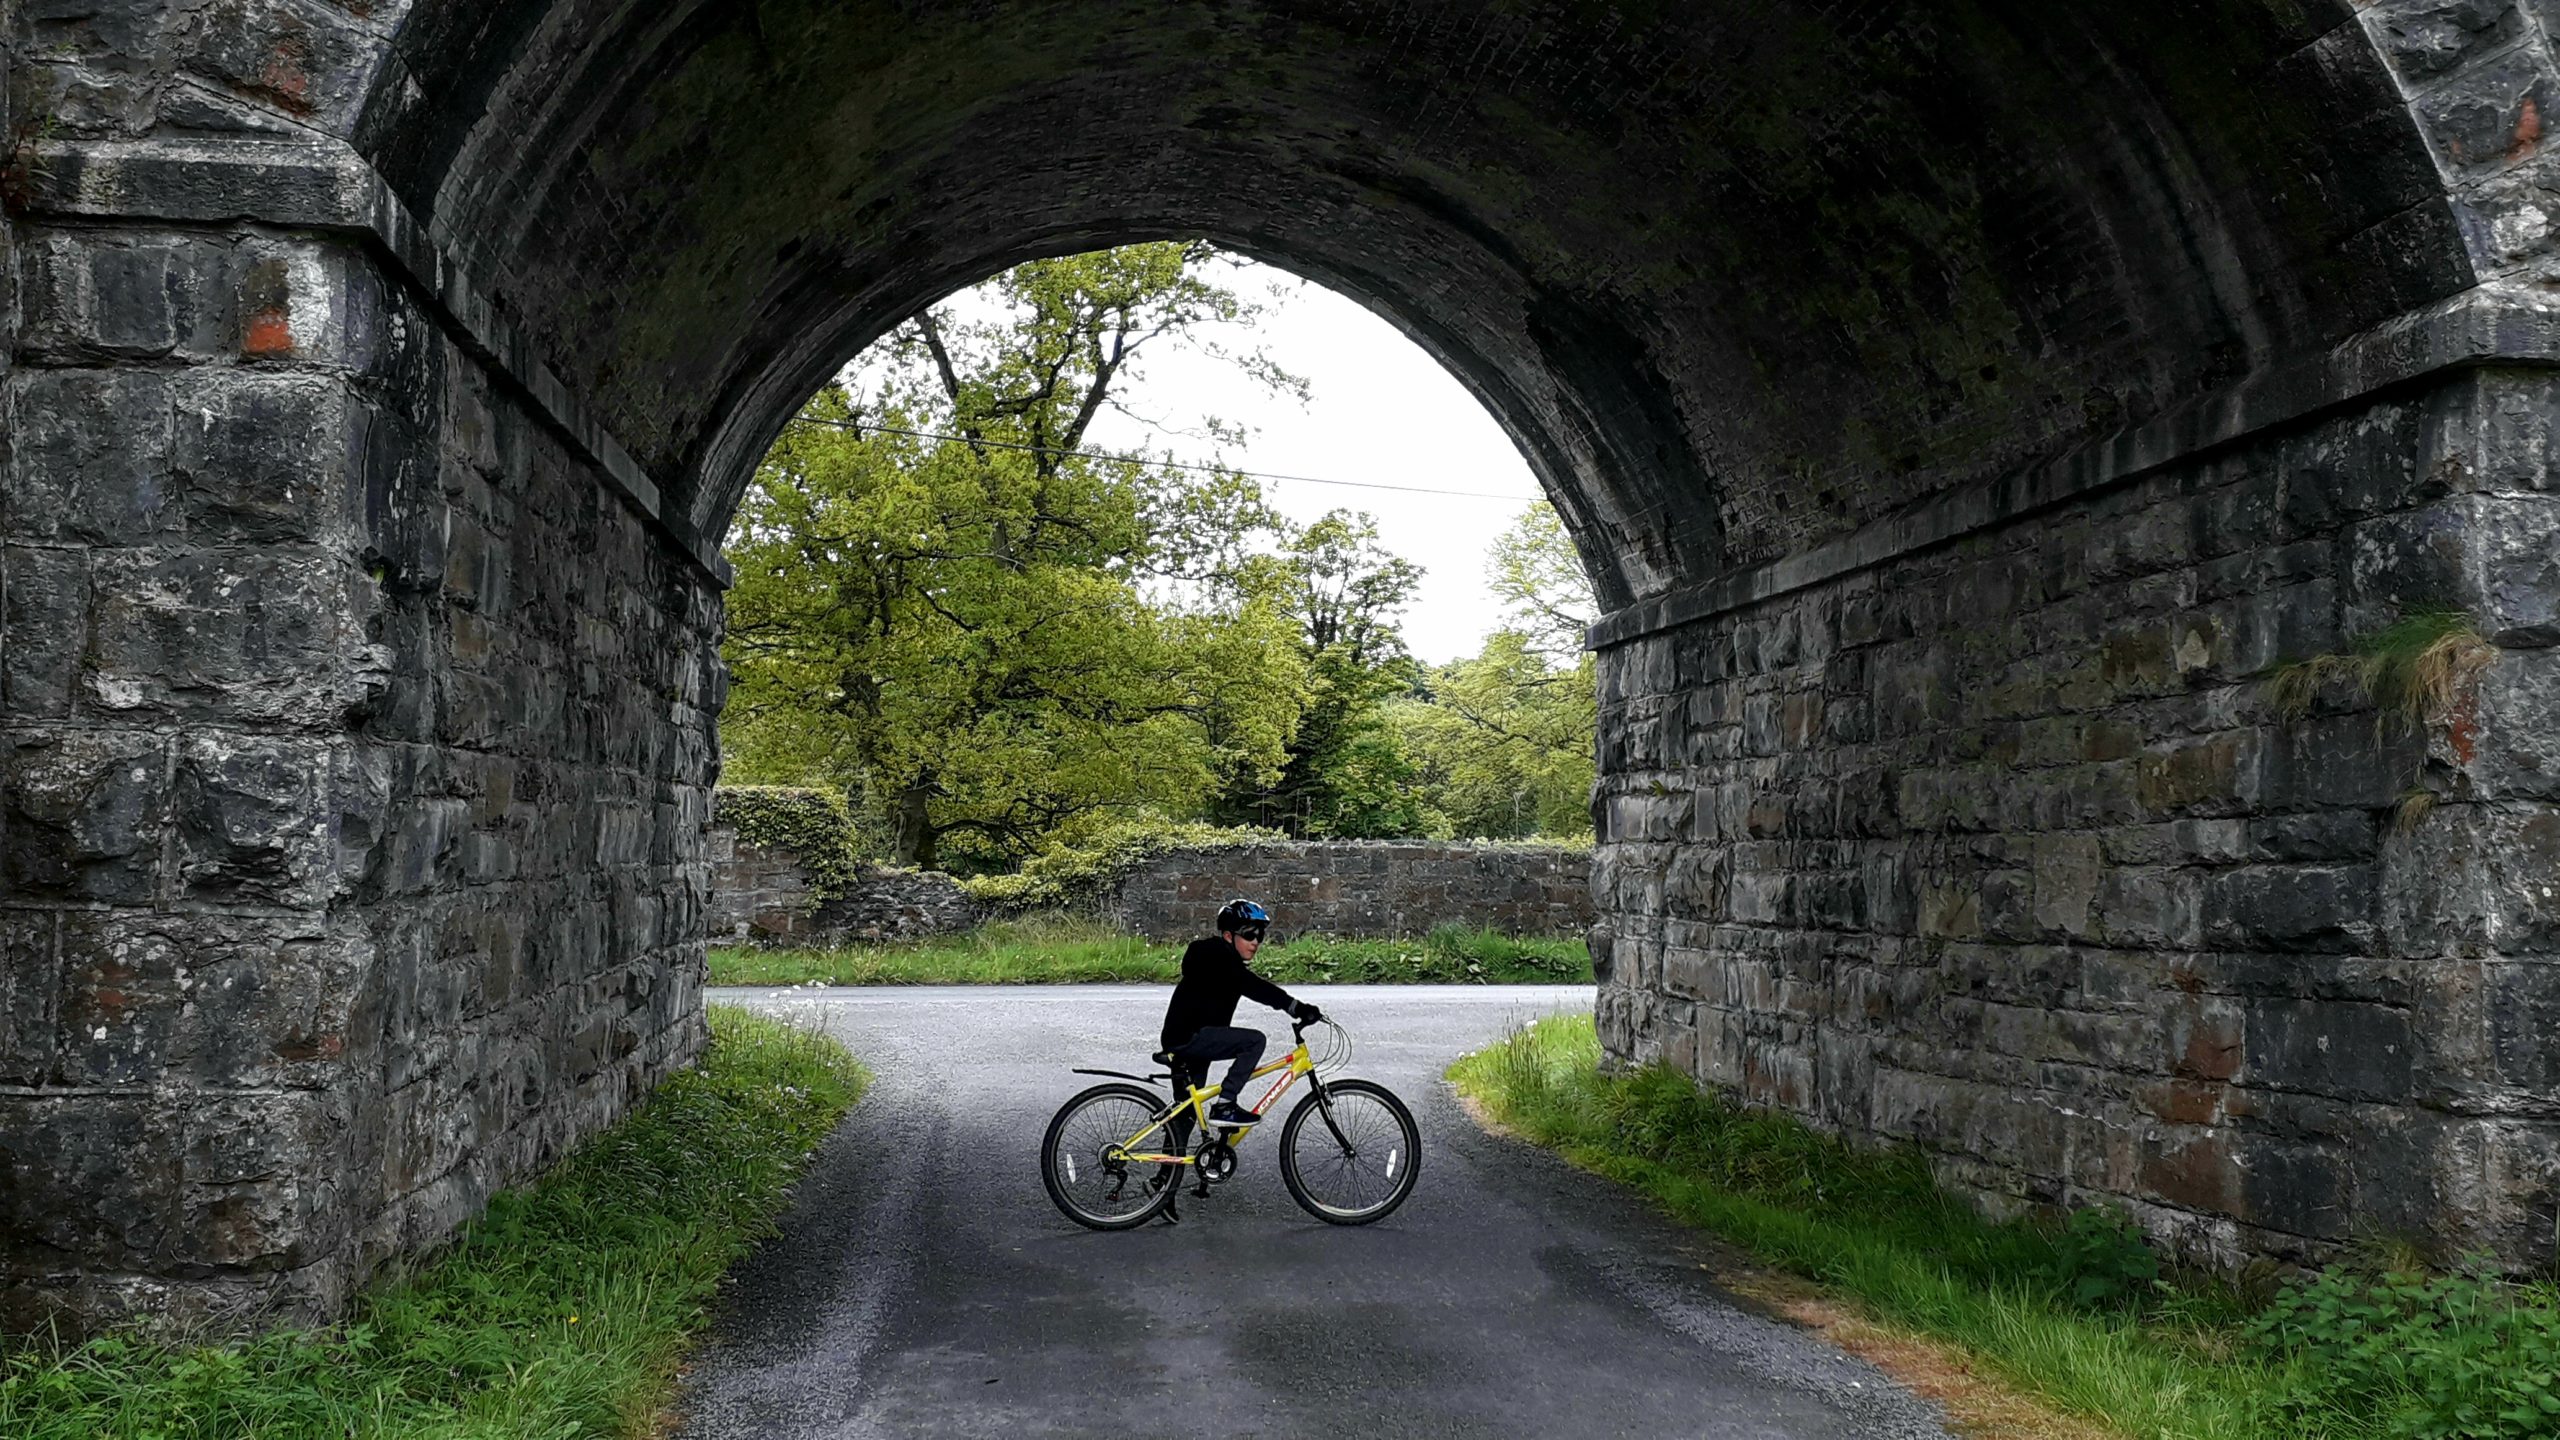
x=924 y=1285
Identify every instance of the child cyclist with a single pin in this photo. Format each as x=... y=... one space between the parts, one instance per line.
x=1199 y=1023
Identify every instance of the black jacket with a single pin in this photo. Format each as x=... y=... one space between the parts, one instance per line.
x=1214 y=978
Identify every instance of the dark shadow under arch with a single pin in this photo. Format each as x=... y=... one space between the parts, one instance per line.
x=1736 y=280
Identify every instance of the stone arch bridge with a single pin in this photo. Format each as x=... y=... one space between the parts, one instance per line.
x=1959 y=405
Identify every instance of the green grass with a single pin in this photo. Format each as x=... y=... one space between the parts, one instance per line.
x=1063 y=949
x=2076 y=1315
x=2412 y=671
x=560 y=1313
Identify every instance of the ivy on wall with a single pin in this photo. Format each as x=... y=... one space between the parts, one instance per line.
x=815 y=825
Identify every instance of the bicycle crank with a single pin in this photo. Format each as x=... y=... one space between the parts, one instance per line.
x=1216 y=1161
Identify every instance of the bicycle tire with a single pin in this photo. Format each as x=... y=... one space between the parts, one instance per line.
x=1363 y=1106
x=1065 y=1174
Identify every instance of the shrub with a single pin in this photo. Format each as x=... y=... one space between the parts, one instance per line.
x=2463 y=1356
x=815 y=825
x=2101 y=1262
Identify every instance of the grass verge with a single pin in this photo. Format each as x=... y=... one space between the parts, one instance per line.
x=1064 y=949
x=560 y=1313
x=2078 y=1316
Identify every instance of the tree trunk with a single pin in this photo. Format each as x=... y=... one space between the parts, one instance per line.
x=915 y=833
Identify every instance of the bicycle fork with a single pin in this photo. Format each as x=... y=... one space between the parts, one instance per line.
x=1324 y=1108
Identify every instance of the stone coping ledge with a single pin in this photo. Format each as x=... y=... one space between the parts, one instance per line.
x=2485 y=325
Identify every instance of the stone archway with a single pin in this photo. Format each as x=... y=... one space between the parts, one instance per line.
x=1957 y=405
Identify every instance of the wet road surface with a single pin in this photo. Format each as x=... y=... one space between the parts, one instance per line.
x=925 y=1286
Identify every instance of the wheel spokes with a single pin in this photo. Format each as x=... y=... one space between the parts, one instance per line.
x=1358 y=1162
x=1092 y=1176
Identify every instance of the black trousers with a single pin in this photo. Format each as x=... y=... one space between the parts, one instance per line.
x=1221 y=1042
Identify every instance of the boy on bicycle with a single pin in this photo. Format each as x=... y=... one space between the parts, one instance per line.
x=1199 y=1028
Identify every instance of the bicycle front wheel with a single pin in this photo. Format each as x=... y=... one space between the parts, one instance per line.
x=1080 y=1159
x=1350 y=1153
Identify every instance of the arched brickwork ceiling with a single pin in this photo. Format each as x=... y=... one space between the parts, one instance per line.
x=1737 y=276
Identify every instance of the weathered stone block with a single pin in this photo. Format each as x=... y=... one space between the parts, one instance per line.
x=478 y=568
x=217 y=1001
x=2426 y=38
x=2344 y=761
x=260 y=458
x=89 y=460
x=44 y=601
x=95 y=30
x=123 y=998
x=2320 y=835
x=2293 y=907
x=2519 y=1006
x=2491 y=119
x=90 y=295
x=28 y=975
x=2332 y=1048
x=2415 y=557
x=247 y=636
x=2515 y=597
x=2149 y=909
x=85 y=814
x=2496 y=1185
x=87 y=1181
x=2288 y=1185
x=2517 y=747
x=254 y=821
x=403 y=514
x=302 y=59
x=261 y=1181
x=2478 y=879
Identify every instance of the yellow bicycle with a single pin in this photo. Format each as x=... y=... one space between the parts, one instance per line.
x=1115 y=1154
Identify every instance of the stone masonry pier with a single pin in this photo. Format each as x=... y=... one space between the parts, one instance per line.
x=1958 y=405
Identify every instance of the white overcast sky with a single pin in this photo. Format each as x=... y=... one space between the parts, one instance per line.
x=1379 y=411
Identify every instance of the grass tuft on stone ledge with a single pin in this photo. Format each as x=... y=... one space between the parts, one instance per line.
x=561 y=1313
x=2079 y=1317
x=2411 y=671
x=1062 y=949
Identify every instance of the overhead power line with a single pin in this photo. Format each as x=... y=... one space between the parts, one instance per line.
x=858 y=428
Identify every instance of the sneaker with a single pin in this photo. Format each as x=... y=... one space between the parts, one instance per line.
x=1228 y=1112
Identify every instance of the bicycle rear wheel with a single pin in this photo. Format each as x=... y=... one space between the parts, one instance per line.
x=1350 y=1153
x=1078 y=1164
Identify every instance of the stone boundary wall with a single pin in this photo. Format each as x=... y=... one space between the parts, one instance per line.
x=1351 y=888
x=1358 y=888
x=759 y=894
x=763 y=895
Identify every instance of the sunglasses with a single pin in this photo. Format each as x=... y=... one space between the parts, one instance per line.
x=1250 y=932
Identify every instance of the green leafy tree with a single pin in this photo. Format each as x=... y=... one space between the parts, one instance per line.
x=1346 y=773
x=1538 y=574
x=960 y=632
x=1503 y=741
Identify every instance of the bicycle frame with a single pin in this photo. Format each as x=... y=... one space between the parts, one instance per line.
x=1290 y=1067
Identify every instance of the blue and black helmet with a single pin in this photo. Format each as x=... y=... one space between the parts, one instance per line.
x=1238 y=915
